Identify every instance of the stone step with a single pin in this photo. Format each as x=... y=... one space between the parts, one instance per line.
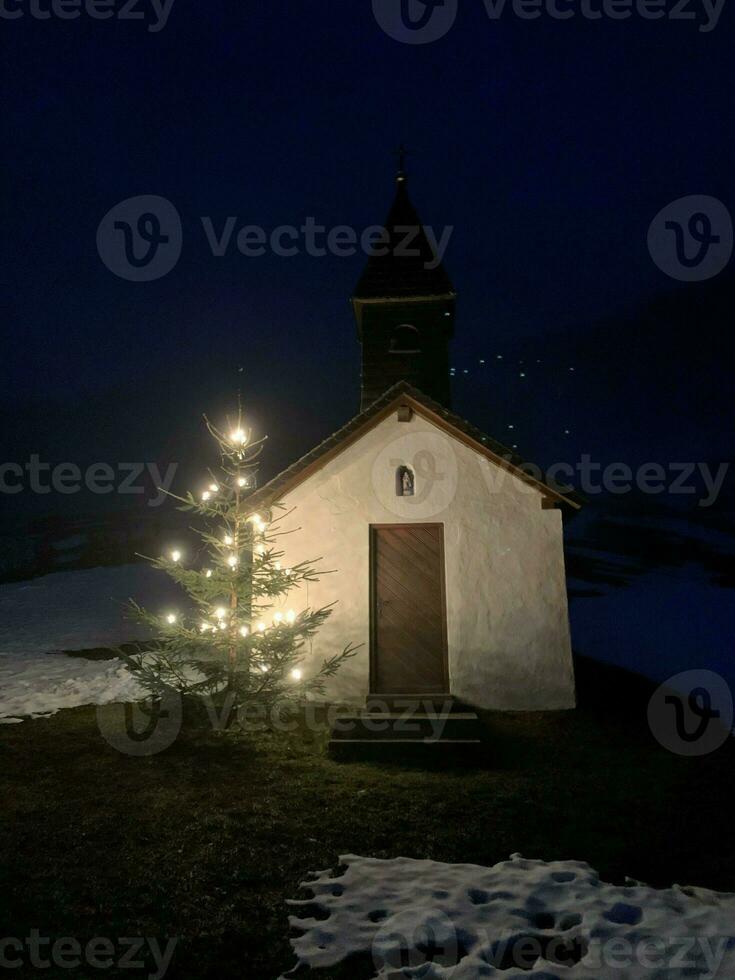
x=408 y=727
x=442 y=753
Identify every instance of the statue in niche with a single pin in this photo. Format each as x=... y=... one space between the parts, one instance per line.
x=405 y=483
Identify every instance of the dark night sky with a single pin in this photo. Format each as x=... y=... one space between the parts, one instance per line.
x=548 y=145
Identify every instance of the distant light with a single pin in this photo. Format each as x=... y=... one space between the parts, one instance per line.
x=567 y=432
x=296 y=674
x=482 y=360
x=523 y=374
x=499 y=357
x=572 y=369
x=511 y=427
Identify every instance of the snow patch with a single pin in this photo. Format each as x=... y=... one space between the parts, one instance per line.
x=77 y=610
x=521 y=918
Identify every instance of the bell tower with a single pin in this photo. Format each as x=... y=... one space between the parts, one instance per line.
x=404 y=305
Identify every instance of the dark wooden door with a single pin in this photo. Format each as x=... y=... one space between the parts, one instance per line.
x=408 y=616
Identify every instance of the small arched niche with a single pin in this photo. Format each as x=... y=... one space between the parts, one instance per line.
x=405 y=482
x=405 y=339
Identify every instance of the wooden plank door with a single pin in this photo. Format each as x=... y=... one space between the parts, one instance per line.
x=408 y=609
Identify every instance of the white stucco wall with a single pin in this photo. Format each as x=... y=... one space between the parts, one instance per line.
x=508 y=628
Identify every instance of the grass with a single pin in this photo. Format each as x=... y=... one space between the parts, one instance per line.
x=207 y=840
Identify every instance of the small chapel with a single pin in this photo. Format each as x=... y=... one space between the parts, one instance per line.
x=448 y=556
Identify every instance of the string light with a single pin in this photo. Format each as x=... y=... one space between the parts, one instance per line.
x=171 y=619
x=291 y=616
x=214 y=488
x=278 y=618
x=244 y=631
x=232 y=561
x=277 y=566
x=220 y=613
x=204 y=627
x=175 y=556
x=264 y=668
x=261 y=627
x=207 y=572
x=228 y=539
x=296 y=674
x=206 y=495
x=242 y=481
x=239 y=437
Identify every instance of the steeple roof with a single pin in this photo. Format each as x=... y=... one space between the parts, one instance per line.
x=392 y=274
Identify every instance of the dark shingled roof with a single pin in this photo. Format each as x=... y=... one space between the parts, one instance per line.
x=270 y=492
x=393 y=274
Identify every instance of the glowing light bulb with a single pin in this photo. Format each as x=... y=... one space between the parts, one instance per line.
x=206 y=495
x=255 y=519
x=291 y=616
x=204 y=627
x=175 y=556
x=277 y=566
x=296 y=674
x=171 y=619
x=214 y=488
x=260 y=550
x=232 y=561
x=289 y=571
x=242 y=482
x=228 y=539
x=239 y=437
x=278 y=618
x=261 y=627
x=244 y=631
x=220 y=613
x=264 y=668
x=208 y=573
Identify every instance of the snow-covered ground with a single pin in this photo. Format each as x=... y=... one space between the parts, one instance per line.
x=520 y=918
x=77 y=610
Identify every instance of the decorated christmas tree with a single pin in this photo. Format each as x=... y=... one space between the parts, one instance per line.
x=239 y=637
